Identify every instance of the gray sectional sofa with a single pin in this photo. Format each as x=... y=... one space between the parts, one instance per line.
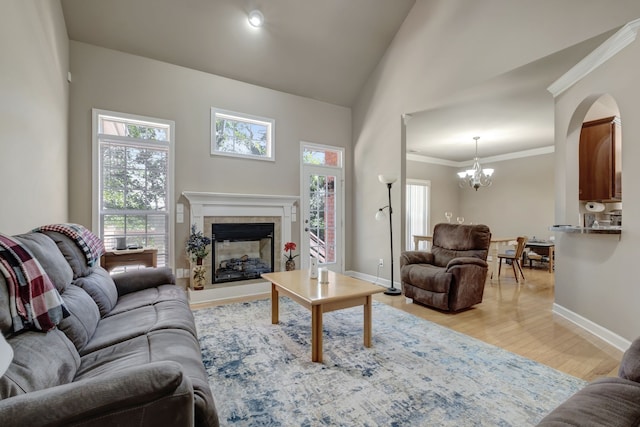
x=127 y=354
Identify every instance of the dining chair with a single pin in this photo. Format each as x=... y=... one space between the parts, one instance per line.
x=515 y=257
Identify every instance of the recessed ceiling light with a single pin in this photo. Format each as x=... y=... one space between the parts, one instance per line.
x=256 y=18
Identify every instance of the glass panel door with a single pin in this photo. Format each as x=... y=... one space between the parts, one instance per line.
x=322 y=231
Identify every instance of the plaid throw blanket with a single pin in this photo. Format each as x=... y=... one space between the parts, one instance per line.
x=91 y=245
x=34 y=302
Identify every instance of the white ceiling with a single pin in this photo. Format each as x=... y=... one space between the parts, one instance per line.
x=319 y=49
x=326 y=50
x=511 y=113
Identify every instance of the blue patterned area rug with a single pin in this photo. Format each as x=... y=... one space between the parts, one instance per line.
x=416 y=373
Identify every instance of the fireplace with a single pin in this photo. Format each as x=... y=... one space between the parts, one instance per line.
x=241 y=251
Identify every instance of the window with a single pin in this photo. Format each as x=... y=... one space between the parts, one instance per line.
x=133 y=177
x=318 y=155
x=417 y=221
x=241 y=135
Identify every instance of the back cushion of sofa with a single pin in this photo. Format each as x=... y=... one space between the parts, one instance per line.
x=50 y=258
x=40 y=360
x=72 y=253
x=83 y=317
x=100 y=286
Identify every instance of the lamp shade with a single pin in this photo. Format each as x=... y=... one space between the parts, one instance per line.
x=387 y=179
x=6 y=355
x=380 y=215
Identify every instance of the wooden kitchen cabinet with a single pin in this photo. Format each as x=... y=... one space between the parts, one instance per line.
x=600 y=160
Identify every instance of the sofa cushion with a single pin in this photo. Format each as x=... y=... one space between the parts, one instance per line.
x=83 y=319
x=40 y=360
x=50 y=258
x=150 y=296
x=99 y=285
x=130 y=324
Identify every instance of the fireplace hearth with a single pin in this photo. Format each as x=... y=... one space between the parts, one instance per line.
x=241 y=251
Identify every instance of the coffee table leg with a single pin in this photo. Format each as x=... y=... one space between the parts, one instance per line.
x=367 y=322
x=274 y=304
x=316 y=333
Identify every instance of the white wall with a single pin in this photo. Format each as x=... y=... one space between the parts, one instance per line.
x=443 y=47
x=520 y=202
x=595 y=277
x=34 y=55
x=112 y=80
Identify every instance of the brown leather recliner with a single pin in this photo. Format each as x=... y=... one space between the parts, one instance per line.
x=451 y=277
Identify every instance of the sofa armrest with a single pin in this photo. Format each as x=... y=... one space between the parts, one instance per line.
x=415 y=257
x=605 y=402
x=630 y=364
x=150 y=395
x=466 y=261
x=132 y=281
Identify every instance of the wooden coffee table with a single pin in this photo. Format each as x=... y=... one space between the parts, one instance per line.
x=341 y=292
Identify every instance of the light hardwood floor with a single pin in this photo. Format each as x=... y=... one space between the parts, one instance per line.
x=518 y=318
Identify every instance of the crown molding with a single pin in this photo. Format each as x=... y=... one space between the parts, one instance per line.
x=614 y=44
x=432 y=160
x=500 y=158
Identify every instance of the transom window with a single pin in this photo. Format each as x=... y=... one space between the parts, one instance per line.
x=133 y=180
x=317 y=155
x=242 y=135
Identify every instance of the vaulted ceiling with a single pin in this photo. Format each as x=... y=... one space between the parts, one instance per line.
x=326 y=50
x=320 y=49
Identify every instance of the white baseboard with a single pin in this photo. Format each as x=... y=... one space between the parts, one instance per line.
x=229 y=292
x=604 y=334
x=373 y=279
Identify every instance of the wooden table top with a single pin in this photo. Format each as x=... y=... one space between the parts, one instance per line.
x=313 y=292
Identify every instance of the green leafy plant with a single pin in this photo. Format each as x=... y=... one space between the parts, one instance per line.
x=197 y=244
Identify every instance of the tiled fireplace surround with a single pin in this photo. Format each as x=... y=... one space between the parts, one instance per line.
x=215 y=208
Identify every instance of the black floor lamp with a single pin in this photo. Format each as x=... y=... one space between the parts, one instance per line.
x=388 y=180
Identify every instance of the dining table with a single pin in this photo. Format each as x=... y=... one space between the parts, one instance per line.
x=494 y=249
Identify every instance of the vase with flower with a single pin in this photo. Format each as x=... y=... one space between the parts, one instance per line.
x=198 y=249
x=290 y=263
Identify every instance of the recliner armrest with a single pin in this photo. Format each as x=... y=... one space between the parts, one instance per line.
x=416 y=257
x=467 y=261
x=154 y=394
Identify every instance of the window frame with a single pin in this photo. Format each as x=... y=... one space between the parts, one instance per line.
x=97 y=171
x=246 y=118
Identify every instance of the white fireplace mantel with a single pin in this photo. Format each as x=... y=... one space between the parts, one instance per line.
x=202 y=205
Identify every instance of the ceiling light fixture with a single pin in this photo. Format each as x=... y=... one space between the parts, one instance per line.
x=256 y=18
x=476 y=177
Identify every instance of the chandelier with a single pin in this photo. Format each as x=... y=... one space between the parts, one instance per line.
x=476 y=177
